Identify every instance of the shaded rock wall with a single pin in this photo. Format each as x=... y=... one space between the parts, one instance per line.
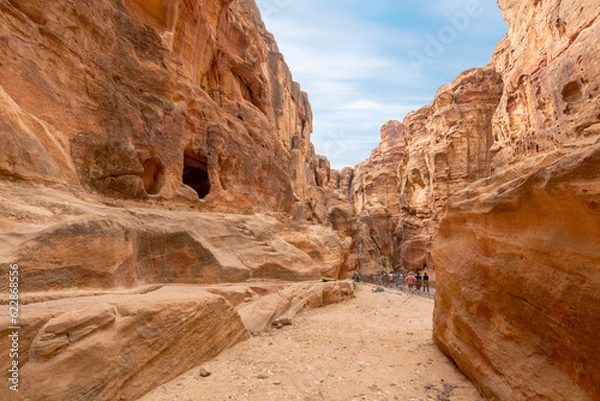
x=375 y=194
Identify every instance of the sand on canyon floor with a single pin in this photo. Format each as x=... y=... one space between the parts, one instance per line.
x=377 y=346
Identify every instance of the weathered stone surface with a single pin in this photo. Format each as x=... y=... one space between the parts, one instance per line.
x=162 y=104
x=517 y=254
x=147 y=143
x=62 y=242
x=537 y=95
x=436 y=151
x=376 y=200
x=135 y=133
x=511 y=149
x=285 y=302
x=323 y=245
x=141 y=99
x=549 y=61
x=118 y=346
x=517 y=261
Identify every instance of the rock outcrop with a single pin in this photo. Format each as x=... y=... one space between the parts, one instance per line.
x=495 y=185
x=118 y=345
x=549 y=62
x=151 y=143
x=400 y=190
x=517 y=256
x=377 y=201
x=102 y=246
x=152 y=148
x=161 y=100
x=518 y=309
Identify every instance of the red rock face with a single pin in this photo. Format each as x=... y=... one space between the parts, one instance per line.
x=159 y=105
x=517 y=254
x=496 y=185
x=518 y=307
x=549 y=61
x=375 y=196
x=137 y=111
x=436 y=151
x=151 y=144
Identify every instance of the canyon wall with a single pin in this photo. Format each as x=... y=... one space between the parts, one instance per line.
x=154 y=148
x=519 y=309
x=154 y=105
x=133 y=99
x=399 y=192
x=147 y=147
x=495 y=186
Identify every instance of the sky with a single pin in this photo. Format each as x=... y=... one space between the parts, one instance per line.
x=367 y=62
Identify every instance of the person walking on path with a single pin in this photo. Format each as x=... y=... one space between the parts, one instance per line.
x=410 y=280
x=418 y=279
x=425 y=282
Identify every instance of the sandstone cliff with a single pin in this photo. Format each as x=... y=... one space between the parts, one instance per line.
x=153 y=105
x=517 y=259
x=519 y=309
x=494 y=184
x=135 y=98
x=420 y=162
x=153 y=143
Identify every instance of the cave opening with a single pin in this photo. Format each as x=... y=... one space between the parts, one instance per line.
x=195 y=175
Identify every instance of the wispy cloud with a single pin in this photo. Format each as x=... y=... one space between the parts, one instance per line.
x=354 y=60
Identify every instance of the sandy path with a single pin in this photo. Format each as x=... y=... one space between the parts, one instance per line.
x=377 y=346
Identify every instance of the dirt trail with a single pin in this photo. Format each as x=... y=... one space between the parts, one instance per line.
x=377 y=346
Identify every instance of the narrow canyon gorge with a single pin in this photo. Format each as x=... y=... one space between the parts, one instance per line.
x=161 y=200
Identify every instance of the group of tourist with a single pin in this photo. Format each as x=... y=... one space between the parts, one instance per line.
x=415 y=282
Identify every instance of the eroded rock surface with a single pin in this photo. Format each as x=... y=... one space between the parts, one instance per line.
x=120 y=345
x=495 y=185
x=164 y=142
x=154 y=99
x=63 y=242
x=153 y=143
x=518 y=309
x=517 y=254
x=400 y=190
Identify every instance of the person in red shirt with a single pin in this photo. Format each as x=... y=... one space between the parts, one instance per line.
x=410 y=280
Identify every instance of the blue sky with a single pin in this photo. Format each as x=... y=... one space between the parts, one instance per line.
x=366 y=62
